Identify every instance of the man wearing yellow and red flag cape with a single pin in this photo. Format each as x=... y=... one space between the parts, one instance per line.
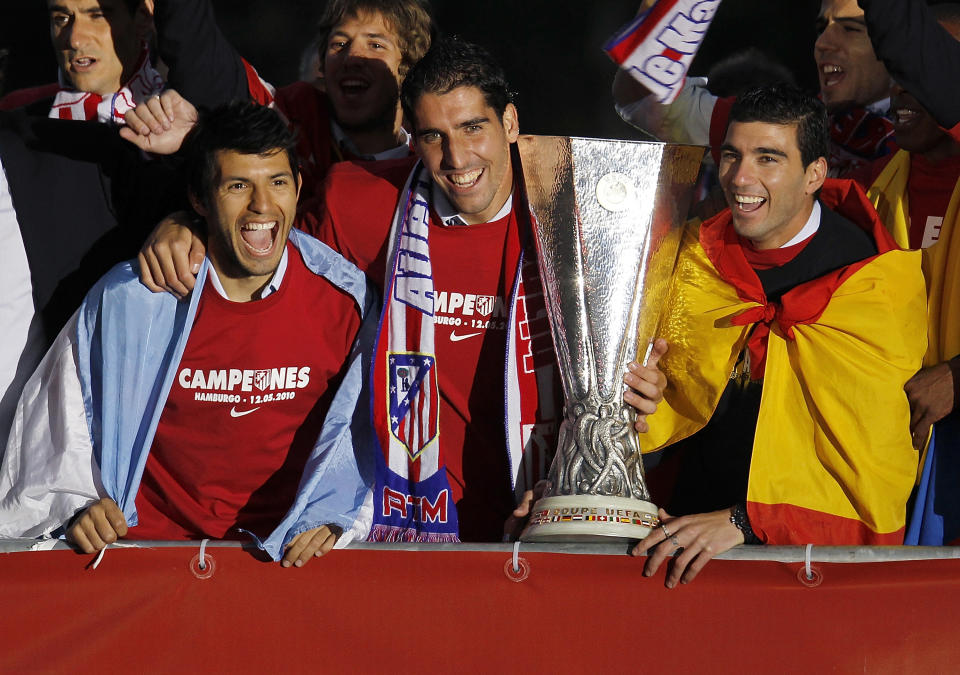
x=794 y=322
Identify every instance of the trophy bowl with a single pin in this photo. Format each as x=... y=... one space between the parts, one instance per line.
x=607 y=216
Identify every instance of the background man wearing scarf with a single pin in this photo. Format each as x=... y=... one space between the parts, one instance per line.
x=78 y=201
x=853 y=85
x=101 y=49
x=108 y=66
x=801 y=321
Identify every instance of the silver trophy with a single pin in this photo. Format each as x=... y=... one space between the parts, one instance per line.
x=607 y=217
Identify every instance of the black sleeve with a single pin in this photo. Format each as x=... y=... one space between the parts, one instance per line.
x=85 y=199
x=920 y=55
x=204 y=66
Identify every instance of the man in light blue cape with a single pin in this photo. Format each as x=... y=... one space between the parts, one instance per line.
x=115 y=397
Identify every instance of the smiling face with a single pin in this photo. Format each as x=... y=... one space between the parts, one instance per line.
x=465 y=146
x=769 y=191
x=95 y=41
x=361 y=72
x=916 y=130
x=249 y=212
x=850 y=73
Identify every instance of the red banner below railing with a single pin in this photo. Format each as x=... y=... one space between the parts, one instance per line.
x=442 y=610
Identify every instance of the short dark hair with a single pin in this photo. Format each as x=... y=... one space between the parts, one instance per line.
x=242 y=126
x=451 y=63
x=786 y=104
x=412 y=20
x=744 y=70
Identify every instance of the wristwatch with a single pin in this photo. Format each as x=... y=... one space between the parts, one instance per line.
x=742 y=523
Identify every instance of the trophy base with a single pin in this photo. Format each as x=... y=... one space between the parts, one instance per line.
x=584 y=518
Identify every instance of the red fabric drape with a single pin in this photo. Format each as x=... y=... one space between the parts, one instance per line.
x=396 y=611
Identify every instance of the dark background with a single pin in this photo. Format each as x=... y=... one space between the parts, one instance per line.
x=551 y=50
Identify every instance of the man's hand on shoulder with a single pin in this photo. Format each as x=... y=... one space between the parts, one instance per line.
x=646 y=385
x=170 y=258
x=932 y=393
x=697 y=537
x=310 y=544
x=160 y=123
x=100 y=524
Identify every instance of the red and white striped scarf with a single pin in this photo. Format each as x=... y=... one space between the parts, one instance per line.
x=70 y=104
x=657 y=47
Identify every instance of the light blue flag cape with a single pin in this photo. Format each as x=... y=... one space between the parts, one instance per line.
x=130 y=342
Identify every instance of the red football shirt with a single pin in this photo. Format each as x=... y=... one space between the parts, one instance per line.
x=468 y=265
x=474 y=271
x=245 y=409
x=928 y=192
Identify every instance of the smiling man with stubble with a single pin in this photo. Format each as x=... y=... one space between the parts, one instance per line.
x=795 y=321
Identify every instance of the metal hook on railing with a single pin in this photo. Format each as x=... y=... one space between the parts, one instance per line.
x=202 y=565
x=808 y=575
x=516 y=568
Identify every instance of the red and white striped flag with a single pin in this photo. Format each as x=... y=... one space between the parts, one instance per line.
x=658 y=46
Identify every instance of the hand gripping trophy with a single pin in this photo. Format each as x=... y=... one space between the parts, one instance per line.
x=607 y=216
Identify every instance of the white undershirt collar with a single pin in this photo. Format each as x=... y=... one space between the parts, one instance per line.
x=449 y=216
x=271 y=287
x=809 y=228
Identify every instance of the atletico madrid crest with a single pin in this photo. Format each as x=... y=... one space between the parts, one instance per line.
x=414 y=400
x=484 y=304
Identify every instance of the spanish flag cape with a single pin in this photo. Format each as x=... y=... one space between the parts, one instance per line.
x=941 y=262
x=832 y=460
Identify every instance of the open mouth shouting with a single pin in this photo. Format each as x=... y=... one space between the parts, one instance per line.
x=259 y=238
x=353 y=86
x=830 y=74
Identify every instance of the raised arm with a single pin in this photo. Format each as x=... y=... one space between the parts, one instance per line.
x=204 y=66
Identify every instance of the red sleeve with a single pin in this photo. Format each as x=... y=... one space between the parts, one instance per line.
x=260 y=91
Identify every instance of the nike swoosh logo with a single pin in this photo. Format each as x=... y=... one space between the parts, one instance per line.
x=234 y=413
x=456 y=338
